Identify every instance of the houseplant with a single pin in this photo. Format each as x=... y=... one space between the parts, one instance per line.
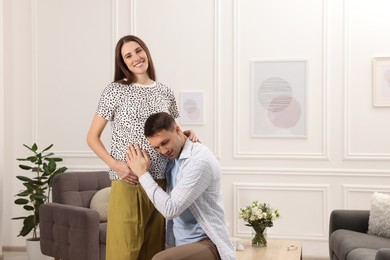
x=43 y=166
x=259 y=216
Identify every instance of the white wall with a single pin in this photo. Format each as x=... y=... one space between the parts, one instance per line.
x=2 y=126
x=58 y=56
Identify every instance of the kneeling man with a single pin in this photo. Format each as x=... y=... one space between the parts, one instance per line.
x=193 y=203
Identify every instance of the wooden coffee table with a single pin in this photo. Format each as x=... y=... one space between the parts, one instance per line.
x=275 y=250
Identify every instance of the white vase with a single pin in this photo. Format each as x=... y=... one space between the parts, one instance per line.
x=34 y=251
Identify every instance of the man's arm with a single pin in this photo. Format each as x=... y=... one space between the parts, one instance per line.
x=193 y=183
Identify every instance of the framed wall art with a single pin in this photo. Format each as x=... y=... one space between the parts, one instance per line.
x=278 y=99
x=191 y=108
x=381 y=81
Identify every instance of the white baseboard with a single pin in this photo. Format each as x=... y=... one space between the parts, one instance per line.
x=314 y=258
x=14 y=249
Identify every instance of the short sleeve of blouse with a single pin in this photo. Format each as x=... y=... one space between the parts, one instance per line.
x=108 y=102
x=173 y=106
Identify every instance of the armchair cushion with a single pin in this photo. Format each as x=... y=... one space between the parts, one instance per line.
x=99 y=202
x=361 y=254
x=379 y=221
x=343 y=242
x=383 y=254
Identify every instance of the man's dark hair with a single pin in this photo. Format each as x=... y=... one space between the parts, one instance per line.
x=158 y=122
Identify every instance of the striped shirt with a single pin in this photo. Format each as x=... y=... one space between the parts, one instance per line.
x=198 y=189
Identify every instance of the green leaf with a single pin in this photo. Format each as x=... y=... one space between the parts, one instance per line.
x=47 y=148
x=30 y=186
x=52 y=166
x=38 y=196
x=28 y=147
x=28 y=219
x=42 y=179
x=30 y=159
x=18 y=218
x=21 y=201
x=25 y=167
x=54 y=158
x=47 y=155
x=24 y=178
x=23 y=193
x=61 y=170
x=48 y=169
x=45 y=168
x=28 y=207
x=34 y=147
x=28 y=225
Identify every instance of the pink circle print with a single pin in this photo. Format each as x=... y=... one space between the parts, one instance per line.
x=288 y=113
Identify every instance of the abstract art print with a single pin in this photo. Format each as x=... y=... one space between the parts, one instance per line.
x=381 y=82
x=279 y=99
x=191 y=108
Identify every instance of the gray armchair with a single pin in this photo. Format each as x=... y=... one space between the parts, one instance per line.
x=348 y=238
x=69 y=229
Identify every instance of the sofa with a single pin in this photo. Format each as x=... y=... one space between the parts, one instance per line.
x=69 y=229
x=349 y=240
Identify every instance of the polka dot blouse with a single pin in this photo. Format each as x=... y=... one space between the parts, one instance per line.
x=127 y=107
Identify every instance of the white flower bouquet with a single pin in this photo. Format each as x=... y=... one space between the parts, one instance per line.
x=259 y=216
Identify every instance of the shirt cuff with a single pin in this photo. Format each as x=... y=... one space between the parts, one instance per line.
x=147 y=180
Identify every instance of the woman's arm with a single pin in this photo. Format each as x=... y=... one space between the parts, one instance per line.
x=95 y=143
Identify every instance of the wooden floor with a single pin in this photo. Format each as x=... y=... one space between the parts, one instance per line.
x=23 y=256
x=14 y=256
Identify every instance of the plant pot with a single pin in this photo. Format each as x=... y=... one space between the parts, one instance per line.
x=34 y=250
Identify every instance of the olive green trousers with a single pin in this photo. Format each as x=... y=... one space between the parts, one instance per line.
x=135 y=229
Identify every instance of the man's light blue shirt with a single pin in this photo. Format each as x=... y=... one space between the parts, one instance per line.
x=198 y=188
x=185 y=227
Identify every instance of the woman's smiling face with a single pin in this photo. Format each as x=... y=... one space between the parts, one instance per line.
x=135 y=58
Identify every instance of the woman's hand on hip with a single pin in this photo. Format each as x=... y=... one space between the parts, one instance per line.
x=124 y=172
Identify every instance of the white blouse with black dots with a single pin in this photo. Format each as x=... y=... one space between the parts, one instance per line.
x=127 y=107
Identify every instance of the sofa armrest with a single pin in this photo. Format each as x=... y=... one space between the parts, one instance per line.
x=69 y=232
x=383 y=254
x=355 y=220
